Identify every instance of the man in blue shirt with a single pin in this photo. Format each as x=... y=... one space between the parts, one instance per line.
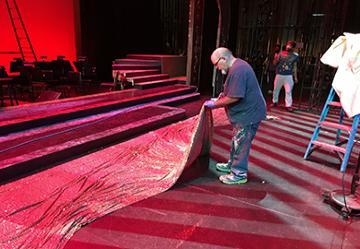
x=245 y=107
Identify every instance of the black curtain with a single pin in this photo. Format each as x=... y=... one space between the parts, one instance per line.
x=210 y=26
x=112 y=29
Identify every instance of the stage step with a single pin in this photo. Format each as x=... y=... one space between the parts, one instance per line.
x=14 y=119
x=175 y=101
x=135 y=73
x=147 y=56
x=181 y=79
x=137 y=61
x=42 y=147
x=146 y=78
x=156 y=83
x=134 y=67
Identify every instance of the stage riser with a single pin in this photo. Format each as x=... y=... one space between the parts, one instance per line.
x=85 y=107
x=137 y=61
x=133 y=67
x=136 y=73
x=173 y=65
x=181 y=99
x=144 y=56
x=153 y=84
x=90 y=139
x=148 y=78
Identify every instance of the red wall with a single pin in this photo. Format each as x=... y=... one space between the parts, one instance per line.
x=50 y=24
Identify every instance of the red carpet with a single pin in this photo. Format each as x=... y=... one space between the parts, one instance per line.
x=43 y=210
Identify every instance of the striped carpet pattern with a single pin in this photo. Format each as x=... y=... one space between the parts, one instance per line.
x=281 y=206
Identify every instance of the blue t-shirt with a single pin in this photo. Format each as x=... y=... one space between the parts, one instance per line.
x=241 y=83
x=286 y=63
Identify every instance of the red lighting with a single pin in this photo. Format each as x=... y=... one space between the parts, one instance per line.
x=50 y=25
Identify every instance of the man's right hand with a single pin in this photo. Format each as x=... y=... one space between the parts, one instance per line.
x=209 y=103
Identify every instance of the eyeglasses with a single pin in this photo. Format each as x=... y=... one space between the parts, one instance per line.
x=217 y=62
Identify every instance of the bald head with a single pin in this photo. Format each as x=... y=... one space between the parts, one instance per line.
x=222 y=58
x=220 y=52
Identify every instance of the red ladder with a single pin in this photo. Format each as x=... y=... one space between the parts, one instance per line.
x=22 y=36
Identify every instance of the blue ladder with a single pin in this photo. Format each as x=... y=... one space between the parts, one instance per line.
x=343 y=152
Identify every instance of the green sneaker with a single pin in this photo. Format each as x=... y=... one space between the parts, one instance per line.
x=223 y=167
x=233 y=179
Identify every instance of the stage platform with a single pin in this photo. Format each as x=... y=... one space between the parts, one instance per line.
x=42 y=147
x=41 y=135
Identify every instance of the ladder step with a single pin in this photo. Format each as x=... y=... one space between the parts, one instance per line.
x=336 y=126
x=335 y=103
x=329 y=146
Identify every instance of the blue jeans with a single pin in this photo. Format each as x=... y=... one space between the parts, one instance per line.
x=240 y=147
